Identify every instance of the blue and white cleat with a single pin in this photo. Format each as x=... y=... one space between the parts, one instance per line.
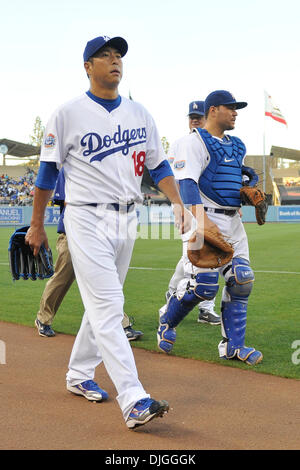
x=88 y=389
x=44 y=330
x=166 y=337
x=145 y=410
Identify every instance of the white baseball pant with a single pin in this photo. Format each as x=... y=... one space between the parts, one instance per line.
x=101 y=241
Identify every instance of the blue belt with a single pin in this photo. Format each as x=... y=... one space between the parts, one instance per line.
x=113 y=206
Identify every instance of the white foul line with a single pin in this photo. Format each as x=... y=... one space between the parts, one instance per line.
x=277 y=272
x=173 y=269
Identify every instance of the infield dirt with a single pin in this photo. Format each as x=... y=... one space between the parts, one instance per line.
x=211 y=406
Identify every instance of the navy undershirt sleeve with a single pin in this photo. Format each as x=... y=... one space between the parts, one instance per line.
x=189 y=192
x=161 y=171
x=47 y=175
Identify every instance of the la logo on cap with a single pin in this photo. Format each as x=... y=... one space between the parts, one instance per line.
x=106 y=38
x=195 y=106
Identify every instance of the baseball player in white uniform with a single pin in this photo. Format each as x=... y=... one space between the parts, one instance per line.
x=210 y=173
x=206 y=307
x=103 y=141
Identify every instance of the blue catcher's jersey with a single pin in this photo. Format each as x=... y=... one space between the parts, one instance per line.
x=222 y=178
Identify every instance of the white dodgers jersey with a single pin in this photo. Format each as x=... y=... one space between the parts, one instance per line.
x=103 y=153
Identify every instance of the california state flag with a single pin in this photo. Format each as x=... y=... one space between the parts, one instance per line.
x=272 y=110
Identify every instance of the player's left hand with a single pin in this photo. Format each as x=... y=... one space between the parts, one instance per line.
x=254 y=196
x=183 y=218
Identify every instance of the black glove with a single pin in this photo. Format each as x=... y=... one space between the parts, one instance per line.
x=22 y=262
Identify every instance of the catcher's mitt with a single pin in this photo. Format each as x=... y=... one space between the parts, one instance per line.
x=214 y=252
x=257 y=198
x=22 y=262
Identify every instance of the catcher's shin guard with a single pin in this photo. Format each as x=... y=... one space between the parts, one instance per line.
x=203 y=287
x=233 y=320
x=234 y=314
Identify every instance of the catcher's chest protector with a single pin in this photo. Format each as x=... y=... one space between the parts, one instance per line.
x=222 y=179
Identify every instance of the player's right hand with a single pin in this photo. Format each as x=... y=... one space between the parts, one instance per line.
x=35 y=237
x=183 y=218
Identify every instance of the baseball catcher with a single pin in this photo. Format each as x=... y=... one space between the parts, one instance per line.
x=211 y=174
x=22 y=262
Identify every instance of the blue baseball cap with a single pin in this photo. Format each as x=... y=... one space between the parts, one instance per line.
x=222 y=97
x=97 y=43
x=196 y=107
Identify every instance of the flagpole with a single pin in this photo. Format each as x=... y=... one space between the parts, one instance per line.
x=264 y=155
x=264 y=159
x=274 y=112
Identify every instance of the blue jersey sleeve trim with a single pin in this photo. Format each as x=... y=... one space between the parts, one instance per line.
x=47 y=175
x=161 y=171
x=189 y=192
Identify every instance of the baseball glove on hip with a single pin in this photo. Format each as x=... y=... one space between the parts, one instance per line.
x=22 y=262
x=210 y=250
x=255 y=197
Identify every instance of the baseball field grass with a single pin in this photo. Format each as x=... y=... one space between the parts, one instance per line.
x=273 y=324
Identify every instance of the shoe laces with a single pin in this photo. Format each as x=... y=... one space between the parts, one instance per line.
x=46 y=327
x=90 y=384
x=144 y=403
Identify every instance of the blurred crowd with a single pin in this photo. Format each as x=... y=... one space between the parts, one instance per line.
x=17 y=191
x=290 y=183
